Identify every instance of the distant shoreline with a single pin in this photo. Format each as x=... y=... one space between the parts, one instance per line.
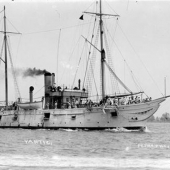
x=158 y=121
x=164 y=118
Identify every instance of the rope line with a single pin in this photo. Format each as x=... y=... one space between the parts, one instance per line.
x=17 y=91
x=58 y=53
x=12 y=25
x=57 y=29
x=38 y=90
x=140 y=60
x=78 y=66
x=125 y=61
x=118 y=78
x=89 y=54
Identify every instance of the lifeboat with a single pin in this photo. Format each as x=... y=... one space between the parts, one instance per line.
x=30 y=105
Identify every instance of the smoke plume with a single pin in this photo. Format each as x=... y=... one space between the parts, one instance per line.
x=31 y=72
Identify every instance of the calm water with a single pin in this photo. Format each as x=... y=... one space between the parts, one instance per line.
x=61 y=149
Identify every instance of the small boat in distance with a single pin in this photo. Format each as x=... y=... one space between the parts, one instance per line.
x=74 y=108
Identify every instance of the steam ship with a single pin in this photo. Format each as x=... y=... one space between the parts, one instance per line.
x=73 y=108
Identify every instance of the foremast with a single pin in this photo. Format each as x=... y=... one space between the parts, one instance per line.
x=6 y=58
x=6 y=69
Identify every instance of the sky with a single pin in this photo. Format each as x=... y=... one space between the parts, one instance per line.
x=51 y=39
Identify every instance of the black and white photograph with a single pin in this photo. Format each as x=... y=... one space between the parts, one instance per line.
x=84 y=84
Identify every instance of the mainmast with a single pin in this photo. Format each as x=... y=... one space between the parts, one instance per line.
x=6 y=71
x=102 y=52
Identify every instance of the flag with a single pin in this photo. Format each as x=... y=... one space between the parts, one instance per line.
x=81 y=17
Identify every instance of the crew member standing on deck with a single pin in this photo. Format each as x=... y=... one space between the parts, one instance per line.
x=55 y=104
x=47 y=105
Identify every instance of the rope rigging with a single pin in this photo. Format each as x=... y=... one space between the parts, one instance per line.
x=91 y=68
x=133 y=76
x=118 y=78
x=57 y=29
x=13 y=26
x=88 y=80
x=58 y=55
x=101 y=81
x=2 y=52
x=18 y=49
x=88 y=59
x=77 y=68
x=111 y=8
x=17 y=92
x=140 y=60
x=69 y=59
x=74 y=47
x=114 y=83
x=38 y=90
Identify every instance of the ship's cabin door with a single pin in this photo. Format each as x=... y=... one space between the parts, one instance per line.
x=57 y=102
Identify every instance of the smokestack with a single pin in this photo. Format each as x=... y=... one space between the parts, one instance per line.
x=79 y=82
x=53 y=79
x=47 y=81
x=31 y=93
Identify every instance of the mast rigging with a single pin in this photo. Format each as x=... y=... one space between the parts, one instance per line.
x=102 y=52
x=6 y=60
x=6 y=71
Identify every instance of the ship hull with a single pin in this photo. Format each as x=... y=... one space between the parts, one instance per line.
x=132 y=116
